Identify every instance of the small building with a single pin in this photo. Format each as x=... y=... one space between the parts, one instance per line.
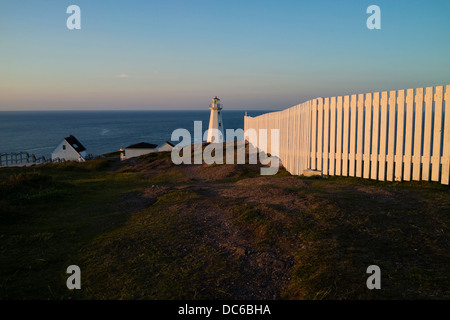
x=139 y=149
x=166 y=146
x=69 y=149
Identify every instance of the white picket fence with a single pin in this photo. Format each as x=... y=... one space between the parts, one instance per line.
x=397 y=135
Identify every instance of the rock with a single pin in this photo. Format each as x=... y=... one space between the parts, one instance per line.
x=312 y=173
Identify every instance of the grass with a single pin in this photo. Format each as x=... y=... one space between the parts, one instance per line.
x=48 y=216
x=151 y=157
x=170 y=177
x=54 y=216
x=402 y=232
x=248 y=214
x=156 y=256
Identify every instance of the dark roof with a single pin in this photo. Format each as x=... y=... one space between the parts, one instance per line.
x=142 y=145
x=75 y=143
x=169 y=143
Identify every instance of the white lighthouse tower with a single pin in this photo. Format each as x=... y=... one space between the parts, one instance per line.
x=215 y=122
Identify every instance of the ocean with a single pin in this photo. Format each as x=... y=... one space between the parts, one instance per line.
x=39 y=132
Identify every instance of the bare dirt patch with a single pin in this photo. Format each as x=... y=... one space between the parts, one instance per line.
x=141 y=199
x=265 y=271
x=264 y=195
x=208 y=173
x=281 y=182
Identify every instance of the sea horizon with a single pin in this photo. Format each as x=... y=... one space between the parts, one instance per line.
x=102 y=131
x=138 y=110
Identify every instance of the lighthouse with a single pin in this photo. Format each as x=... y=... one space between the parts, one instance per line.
x=215 y=122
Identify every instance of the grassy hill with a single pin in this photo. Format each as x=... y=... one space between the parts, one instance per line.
x=147 y=229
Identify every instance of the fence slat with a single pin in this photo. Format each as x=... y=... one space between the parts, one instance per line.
x=320 y=134
x=332 y=154
x=313 y=134
x=400 y=135
x=391 y=136
x=345 y=149
x=418 y=130
x=427 y=134
x=326 y=130
x=291 y=134
x=408 y=134
x=445 y=177
x=339 y=137
x=367 y=135
x=309 y=127
x=383 y=137
x=296 y=157
x=375 y=134
x=359 y=141
x=436 y=158
x=353 y=134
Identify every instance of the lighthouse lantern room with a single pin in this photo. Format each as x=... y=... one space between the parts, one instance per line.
x=215 y=130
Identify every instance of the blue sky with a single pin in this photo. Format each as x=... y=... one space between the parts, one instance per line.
x=179 y=54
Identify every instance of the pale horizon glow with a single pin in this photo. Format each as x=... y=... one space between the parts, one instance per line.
x=177 y=55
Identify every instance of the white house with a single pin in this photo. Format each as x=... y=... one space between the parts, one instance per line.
x=69 y=149
x=166 y=146
x=139 y=149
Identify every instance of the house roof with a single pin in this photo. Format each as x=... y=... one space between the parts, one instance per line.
x=75 y=143
x=169 y=143
x=142 y=145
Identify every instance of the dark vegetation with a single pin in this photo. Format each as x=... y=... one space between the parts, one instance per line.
x=147 y=229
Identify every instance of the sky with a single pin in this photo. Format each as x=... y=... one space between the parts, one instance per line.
x=177 y=55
